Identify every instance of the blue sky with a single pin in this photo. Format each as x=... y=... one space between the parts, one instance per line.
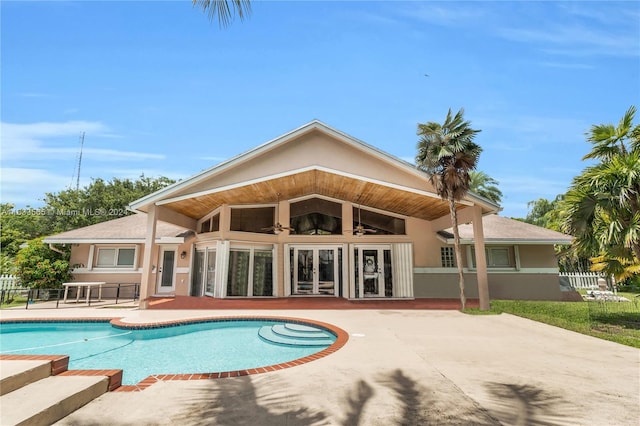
x=160 y=90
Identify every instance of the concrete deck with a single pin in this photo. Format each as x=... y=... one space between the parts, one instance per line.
x=410 y=367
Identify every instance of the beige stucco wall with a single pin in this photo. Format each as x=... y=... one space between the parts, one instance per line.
x=507 y=286
x=312 y=149
x=112 y=276
x=537 y=256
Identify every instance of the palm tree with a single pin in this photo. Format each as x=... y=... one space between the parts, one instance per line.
x=224 y=9
x=603 y=203
x=485 y=186
x=447 y=153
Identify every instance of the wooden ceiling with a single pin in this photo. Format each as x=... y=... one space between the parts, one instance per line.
x=317 y=182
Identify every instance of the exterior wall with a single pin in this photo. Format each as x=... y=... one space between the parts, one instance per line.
x=538 y=256
x=127 y=276
x=314 y=148
x=508 y=286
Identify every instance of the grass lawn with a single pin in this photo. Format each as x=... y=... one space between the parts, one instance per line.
x=615 y=321
x=15 y=301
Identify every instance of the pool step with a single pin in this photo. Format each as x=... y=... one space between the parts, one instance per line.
x=31 y=395
x=294 y=335
x=18 y=373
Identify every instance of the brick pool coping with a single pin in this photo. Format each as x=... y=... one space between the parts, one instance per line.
x=59 y=363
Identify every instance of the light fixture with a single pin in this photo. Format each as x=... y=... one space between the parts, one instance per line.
x=183 y=254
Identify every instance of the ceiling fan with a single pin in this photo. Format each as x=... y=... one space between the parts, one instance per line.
x=360 y=230
x=278 y=228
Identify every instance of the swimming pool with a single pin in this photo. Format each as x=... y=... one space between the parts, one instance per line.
x=201 y=347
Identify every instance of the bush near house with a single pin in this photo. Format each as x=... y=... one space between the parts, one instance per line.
x=40 y=267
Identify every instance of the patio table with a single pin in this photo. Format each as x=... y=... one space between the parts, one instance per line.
x=79 y=285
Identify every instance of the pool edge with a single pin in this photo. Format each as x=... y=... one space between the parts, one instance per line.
x=341 y=339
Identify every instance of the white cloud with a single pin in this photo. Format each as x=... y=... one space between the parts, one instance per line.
x=566 y=65
x=575 y=40
x=446 y=14
x=27 y=186
x=37 y=141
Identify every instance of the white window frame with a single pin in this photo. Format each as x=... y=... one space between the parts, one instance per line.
x=115 y=265
x=514 y=261
x=447 y=254
x=252 y=249
x=209 y=216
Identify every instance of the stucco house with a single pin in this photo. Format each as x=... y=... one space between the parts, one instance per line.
x=316 y=213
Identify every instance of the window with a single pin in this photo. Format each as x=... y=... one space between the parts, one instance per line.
x=497 y=257
x=116 y=257
x=382 y=224
x=256 y=219
x=212 y=224
x=447 y=257
x=316 y=216
x=250 y=272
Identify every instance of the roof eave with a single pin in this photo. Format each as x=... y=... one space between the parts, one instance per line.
x=493 y=241
x=140 y=204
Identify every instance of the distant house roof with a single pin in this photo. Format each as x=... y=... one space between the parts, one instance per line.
x=131 y=229
x=498 y=229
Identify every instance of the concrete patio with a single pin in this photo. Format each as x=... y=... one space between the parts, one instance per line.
x=409 y=367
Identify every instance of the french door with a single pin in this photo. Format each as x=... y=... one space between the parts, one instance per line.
x=166 y=271
x=315 y=270
x=373 y=271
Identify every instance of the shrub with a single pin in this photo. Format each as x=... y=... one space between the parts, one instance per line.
x=7 y=265
x=40 y=267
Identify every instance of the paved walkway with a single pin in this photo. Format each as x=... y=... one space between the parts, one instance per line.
x=400 y=367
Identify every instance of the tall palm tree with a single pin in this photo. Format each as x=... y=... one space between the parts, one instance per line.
x=447 y=153
x=603 y=203
x=485 y=186
x=224 y=9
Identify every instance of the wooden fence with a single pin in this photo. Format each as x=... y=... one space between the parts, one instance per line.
x=582 y=280
x=9 y=282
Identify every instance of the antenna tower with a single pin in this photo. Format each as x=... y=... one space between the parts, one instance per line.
x=79 y=161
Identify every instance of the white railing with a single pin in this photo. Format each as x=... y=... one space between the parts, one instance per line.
x=9 y=282
x=582 y=280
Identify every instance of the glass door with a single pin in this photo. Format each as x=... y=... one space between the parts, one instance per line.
x=211 y=273
x=315 y=271
x=166 y=271
x=198 y=273
x=374 y=277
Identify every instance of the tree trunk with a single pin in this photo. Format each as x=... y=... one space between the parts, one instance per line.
x=458 y=249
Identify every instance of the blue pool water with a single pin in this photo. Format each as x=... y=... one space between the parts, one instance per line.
x=185 y=349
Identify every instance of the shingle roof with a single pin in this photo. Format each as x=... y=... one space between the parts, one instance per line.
x=133 y=228
x=502 y=229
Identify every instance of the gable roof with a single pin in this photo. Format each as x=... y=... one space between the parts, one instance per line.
x=498 y=229
x=192 y=196
x=127 y=229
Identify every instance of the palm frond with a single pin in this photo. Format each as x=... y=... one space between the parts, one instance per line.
x=224 y=10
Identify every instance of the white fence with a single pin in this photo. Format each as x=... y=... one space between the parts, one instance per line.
x=9 y=282
x=582 y=280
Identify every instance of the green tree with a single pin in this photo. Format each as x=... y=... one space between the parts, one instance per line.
x=224 y=10
x=19 y=226
x=40 y=267
x=546 y=213
x=447 y=153
x=603 y=203
x=98 y=202
x=485 y=186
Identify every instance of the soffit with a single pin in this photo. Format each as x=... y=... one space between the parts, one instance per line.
x=366 y=193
